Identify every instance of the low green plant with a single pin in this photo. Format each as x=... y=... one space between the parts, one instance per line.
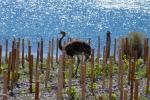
x=114 y=96
x=73 y=92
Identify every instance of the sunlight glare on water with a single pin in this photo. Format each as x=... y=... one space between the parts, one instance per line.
x=33 y=19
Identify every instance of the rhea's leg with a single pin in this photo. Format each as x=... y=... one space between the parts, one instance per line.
x=78 y=62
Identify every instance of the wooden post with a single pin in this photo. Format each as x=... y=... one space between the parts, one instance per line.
x=6 y=51
x=70 y=79
x=148 y=77
x=132 y=79
x=0 y=57
x=23 y=53
x=83 y=75
x=145 y=50
x=17 y=61
x=125 y=94
x=121 y=79
x=57 y=50
x=136 y=89
x=38 y=52
x=18 y=47
x=119 y=69
x=41 y=56
x=9 y=68
x=29 y=52
x=108 y=43
x=98 y=50
x=60 y=78
x=5 y=90
x=92 y=71
x=104 y=69
x=48 y=65
x=110 y=80
x=115 y=49
x=52 y=52
x=30 y=72
x=127 y=47
x=37 y=86
x=100 y=98
x=129 y=71
x=13 y=64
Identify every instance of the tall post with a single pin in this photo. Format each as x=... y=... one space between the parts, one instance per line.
x=6 y=51
x=92 y=71
x=23 y=53
x=41 y=56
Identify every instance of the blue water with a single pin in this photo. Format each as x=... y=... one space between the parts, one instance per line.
x=35 y=19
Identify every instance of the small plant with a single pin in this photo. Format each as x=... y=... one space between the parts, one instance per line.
x=73 y=92
x=114 y=96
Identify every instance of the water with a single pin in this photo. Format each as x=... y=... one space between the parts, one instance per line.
x=33 y=19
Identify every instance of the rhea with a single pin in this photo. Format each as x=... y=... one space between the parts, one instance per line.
x=75 y=48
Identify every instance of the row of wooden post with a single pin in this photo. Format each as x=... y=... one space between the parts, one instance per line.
x=13 y=62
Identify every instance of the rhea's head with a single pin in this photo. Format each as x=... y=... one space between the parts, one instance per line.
x=63 y=33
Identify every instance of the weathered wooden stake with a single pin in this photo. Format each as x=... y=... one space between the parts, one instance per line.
x=115 y=43
x=57 y=50
x=9 y=69
x=92 y=71
x=38 y=53
x=98 y=50
x=125 y=93
x=37 y=86
x=17 y=62
x=129 y=71
x=23 y=53
x=48 y=65
x=100 y=98
x=110 y=80
x=30 y=72
x=29 y=50
x=83 y=75
x=13 y=65
x=119 y=68
x=6 y=51
x=136 y=89
x=52 y=52
x=121 y=79
x=145 y=50
x=104 y=68
x=19 y=50
x=0 y=57
x=41 y=56
x=148 y=77
x=5 y=90
x=70 y=79
x=132 y=79
x=60 y=78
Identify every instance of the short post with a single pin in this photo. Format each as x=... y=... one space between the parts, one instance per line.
x=0 y=57
x=37 y=86
x=83 y=75
x=92 y=71
x=110 y=79
x=5 y=90
x=30 y=72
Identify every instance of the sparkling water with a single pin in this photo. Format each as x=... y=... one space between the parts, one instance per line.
x=35 y=19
